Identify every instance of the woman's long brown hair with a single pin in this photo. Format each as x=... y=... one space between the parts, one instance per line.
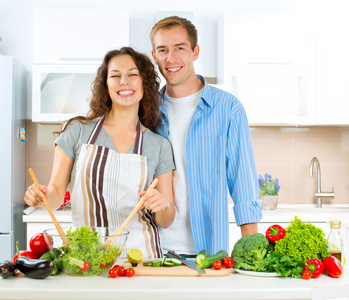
x=101 y=103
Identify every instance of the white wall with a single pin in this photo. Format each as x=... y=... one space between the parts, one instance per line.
x=17 y=24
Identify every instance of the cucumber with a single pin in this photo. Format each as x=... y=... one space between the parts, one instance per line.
x=202 y=255
x=168 y=264
x=176 y=262
x=208 y=261
x=148 y=263
x=157 y=263
x=163 y=260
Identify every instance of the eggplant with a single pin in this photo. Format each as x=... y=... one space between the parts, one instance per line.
x=35 y=268
x=7 y=269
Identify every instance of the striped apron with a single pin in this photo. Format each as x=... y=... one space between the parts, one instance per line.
x=107 y=188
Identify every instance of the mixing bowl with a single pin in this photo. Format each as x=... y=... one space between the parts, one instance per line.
x=85 y=254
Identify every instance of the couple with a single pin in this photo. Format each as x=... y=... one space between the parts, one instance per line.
x=113 y=154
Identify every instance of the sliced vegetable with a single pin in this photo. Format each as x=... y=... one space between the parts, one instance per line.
x=315 y=266
x=148 y=263
x=275 y=233
x=168 y=264
x=163 y=260
x=209 y=261
x=157 y=263
x=176 y=261
x=202 y=255
x=333 y=266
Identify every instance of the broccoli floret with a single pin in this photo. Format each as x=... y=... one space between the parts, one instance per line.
x=249 y=252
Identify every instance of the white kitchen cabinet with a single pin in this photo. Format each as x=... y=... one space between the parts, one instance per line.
x=267 y=60
x=77 y=36
x=332 y=69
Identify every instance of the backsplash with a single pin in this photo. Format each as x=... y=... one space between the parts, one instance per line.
x=283 y=152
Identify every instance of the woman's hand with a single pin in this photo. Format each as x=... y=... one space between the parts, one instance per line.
x=33 y=195
x=155 y=201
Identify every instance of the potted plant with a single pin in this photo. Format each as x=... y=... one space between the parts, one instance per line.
x=268 y=191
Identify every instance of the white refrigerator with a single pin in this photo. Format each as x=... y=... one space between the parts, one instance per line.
x=12 y=155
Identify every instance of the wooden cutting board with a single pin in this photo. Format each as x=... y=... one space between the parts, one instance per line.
x=182 y=270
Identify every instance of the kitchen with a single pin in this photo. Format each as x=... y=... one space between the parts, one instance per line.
x=285 y=151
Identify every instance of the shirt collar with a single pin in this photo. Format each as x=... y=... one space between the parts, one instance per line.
x=205 y=94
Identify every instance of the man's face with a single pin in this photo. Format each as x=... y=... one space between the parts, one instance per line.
x=173 y=55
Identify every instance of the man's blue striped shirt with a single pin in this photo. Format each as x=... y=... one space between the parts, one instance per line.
x=219 y=156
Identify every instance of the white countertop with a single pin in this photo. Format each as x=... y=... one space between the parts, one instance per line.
x=284 y=213
x=234 y=286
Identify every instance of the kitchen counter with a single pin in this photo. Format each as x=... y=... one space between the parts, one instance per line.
x=234 y=286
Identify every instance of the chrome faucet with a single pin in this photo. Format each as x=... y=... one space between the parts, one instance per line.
x=319 y=195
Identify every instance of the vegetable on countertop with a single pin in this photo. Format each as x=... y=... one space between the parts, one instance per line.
x=275 y=233
x=209 y=261
x=228 y=262
x=34 y=268
x=7 y=269
x=38 y=244
x=315 y=266
x=333 y=266
x=26 y=253
x=53 y=255
x=303 y=241
x=284 y=265
x=306 y=274
x=201 y=255
x=249 y=252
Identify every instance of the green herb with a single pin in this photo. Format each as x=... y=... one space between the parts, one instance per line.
x=86 y=245
x=284 y=265
x=303 y=241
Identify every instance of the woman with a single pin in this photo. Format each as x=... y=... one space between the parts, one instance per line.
x=110 y=157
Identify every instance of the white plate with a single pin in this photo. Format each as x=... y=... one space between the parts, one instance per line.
x=261 y=274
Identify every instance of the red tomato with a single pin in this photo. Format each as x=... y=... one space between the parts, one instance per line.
x=217 y=265
x=25 y=253
x=306 y=274
x=86 y=266
x=38 y=244
x=103 y=266
x=130 y=272
x=121 y=270
x=228 y=262
x=113 y=273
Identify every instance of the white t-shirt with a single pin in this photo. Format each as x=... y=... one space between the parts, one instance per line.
x=180 y=112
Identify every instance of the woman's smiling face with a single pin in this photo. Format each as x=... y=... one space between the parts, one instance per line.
x=124 y=82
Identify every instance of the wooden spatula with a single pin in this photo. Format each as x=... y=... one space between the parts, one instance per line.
x=111 y=240
x=58 y=226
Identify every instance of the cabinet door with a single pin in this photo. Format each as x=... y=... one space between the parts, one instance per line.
x=78 y=35
x=332 y=70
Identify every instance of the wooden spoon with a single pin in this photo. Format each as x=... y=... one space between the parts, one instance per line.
x=112 y=239
x=58 y=226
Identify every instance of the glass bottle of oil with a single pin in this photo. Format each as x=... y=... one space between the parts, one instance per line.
x=335 y=240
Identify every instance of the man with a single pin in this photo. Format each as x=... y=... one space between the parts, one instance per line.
x=212 y=147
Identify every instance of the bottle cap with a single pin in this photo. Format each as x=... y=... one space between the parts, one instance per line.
x=335 y=224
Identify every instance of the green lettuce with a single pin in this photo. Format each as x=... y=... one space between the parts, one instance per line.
x=86 y=245
x=303 y=241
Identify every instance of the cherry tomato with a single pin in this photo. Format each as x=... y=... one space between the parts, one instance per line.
x=38 y=244
x=103 y=266
x=306 y=274
x=25 y=253
x=86 y=266
x=113 y=273
x=121 y=270
x=130 y=272
x=228 y=262
x=217 y=265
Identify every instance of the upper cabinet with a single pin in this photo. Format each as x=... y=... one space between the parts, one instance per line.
x=267 y=60
x=332 y=103
x=78 y=36
x=69 y=46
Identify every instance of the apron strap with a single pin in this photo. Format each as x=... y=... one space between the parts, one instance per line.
x=96 y=130
x=138 y=149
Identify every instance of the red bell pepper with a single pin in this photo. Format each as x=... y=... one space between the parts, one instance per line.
x=315 y=266
x=275 y=233
x=333 y=266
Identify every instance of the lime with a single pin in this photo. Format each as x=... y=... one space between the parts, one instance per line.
x=134 y=256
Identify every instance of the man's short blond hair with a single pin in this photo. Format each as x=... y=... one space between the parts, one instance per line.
x=170 y=22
